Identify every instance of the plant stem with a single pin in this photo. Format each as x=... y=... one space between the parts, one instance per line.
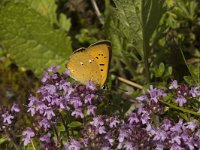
x=146 y=47
x=9 y=134
x=181 y=109
x=94 y=4
x=65 y=124
x=33 y=145
x=56 y=132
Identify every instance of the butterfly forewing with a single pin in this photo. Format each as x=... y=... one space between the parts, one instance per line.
x=83 y=68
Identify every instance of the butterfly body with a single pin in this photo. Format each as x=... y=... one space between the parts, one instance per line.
x=91 y=63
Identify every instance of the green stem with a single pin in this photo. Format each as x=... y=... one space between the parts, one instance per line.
x=187 y=65
x=181 y=109
x=10 y=135
x=65 y=125
x=56 y=132
x=146 y=47
x=33 y=145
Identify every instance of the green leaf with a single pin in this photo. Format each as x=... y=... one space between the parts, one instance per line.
x=3 y=139
x=30 y=39
x=170 y=69
x=60 y=127
x=160 y=70
x=64 y=23
x=152 y=12
x=126 y=22
x=46 y=8
x=75 y=124
x=189 y=80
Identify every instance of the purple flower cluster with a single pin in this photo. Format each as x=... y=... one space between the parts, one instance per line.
x=7 y=116
x=183 y=92
x=140 y=130
x=58 y=96
x=176 y=135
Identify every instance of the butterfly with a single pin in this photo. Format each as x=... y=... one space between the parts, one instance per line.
x=91 y=63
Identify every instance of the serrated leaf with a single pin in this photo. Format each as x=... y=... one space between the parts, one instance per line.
x=30 y=39
x=64 y=23
x=127 y=22
x=75 y=124
x=46 y=8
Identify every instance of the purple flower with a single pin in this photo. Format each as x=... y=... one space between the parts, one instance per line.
x=101 y=130
x=51 y=89
x=46 y=138
x=166 y=124
x=53 y=69
x=28 y=133
x=32 y=105
x=160 y=135
x=44 y=123
x=176 y=138
x=76 y=102
x=49 y=113
x=129 y=146
x=175 y=146
x=142 y=98
x=173 y=85
x=113 y=122
x=155 y=94
x=15 y=108
x=66 y=73
x=122 y=135
x=77 y=113
x=91 y=86
x=177 y=127
x=73 y=145
x=191 y=125
x=97 y=121
x=7 y=118
x=110 y=139
x=91 y=110
x=63 y=85
x=45 y=77
x=145 y=118
x=180 y=100
x=88 y=98
x=133 y=118
x=195 y=91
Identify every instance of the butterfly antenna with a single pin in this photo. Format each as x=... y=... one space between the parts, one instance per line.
x=131 y=83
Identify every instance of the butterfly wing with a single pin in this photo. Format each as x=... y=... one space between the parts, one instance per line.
x=101 y=53
x=83 y=67
x=91 y=63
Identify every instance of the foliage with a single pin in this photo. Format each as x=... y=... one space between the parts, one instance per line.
x=28 y=37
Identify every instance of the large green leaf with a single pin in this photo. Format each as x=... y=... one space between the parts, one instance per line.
x=152 y=11
x=127 y=23
x=30 y=39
